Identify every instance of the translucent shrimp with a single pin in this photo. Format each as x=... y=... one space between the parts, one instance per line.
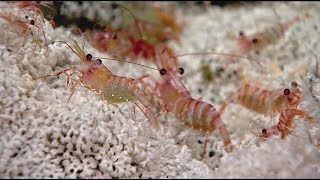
x=282 y=100
x=23 y=24
x=93 y=75
x=175 y=98
x=136 y=44
x=260 y=40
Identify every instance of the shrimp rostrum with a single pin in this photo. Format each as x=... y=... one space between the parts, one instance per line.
x=93 y=75
x=282 y=100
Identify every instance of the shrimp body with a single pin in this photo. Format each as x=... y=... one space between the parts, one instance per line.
x=120 y=89
x=114 y=89
x=260 y=40
x=283 y=101
x=201 y=116
x=266 y=102
x=176 y=99
x=104 y=40
x=117 y=89
x=193 y=113
x=15 y=21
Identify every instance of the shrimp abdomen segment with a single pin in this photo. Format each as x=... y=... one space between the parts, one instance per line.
x=122 y=89
x=119 y=89
x=202 y=116
x=254 y=98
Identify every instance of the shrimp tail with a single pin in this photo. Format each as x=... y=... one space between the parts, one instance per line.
x=224 y=134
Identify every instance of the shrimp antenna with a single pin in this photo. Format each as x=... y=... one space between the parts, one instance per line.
x=218 y=53
x=114 y=5
x=114 y=59
x=67 y=45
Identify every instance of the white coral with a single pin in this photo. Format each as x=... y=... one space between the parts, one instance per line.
x=43 y=136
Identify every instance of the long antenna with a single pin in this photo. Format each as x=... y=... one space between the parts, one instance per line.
x=114 y=59
x=217 y=53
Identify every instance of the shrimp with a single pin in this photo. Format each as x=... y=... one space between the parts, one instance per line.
x=141 y=44
x=35 y=7
x=283 y=101
x=104 y=40
x=175 y=98
x=97 y=77
x=260 y=40
x=22 y=25
x=285 y=123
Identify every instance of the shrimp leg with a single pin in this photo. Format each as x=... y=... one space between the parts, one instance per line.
x=286 y=120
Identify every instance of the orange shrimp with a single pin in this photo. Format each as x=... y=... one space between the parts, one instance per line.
x=284 y=101
x=175 y=98
x=97 y=77
x=285 y=123
x=260 y=40
x=104 y=40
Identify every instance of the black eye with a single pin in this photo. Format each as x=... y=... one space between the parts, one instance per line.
x=180 y=70
x=115 y=37
x=264 y=131
x=241 y=33
x=26 y=17
x=88 y=56
x=99 y=61
x=254 y=40
x=32 y=22
x=211 y=153
x=163 y=71
x=294 y=84
x=286 y=92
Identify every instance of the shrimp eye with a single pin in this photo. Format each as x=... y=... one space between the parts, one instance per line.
x=32 y=22
x=99 y=61
x=241 y=33
x=163 y=71
x=294 y=84
x=115 y=37
x=286 y=92
x=264 y=131
x=254 y=40
x=180 y=70
x=26 y=17
x=88 y=56
x=211 y=153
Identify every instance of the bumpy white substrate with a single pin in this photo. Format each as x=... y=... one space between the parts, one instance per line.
x=44 y=136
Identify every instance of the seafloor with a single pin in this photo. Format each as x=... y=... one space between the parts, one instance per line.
x=44 y=136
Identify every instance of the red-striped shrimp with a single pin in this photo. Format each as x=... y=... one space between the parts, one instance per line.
x=260 y=40
x=175 y=98
x=281 y=100
x=285 y=123
x=96 y=77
